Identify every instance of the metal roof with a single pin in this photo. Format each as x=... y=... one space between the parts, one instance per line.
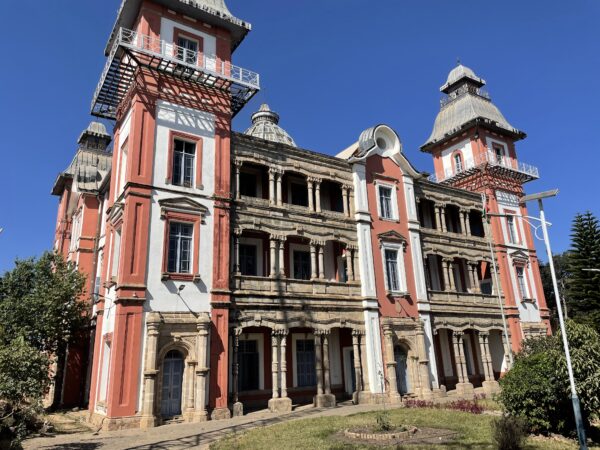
x=464 y=105
x=265 y=125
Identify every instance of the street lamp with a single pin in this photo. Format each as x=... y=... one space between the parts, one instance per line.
x=574 y=398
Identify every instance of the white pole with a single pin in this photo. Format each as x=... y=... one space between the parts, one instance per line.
x=574 y=398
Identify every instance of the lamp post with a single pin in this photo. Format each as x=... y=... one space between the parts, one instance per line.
x=575 y=399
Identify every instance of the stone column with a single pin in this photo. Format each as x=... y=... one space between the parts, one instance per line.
x=279 y=180
x=311 y=202
x=275 y=363
x=470 y=274
x=273 y=257
x=321 y=262
x=351 y=201
x=458 y=336
x=467 y=222
x=203 y=326
x=281 y=243
x=463 y=226
x=356 y=265
x=238 y=165
x=313 y=260
x=326 y=371
x=445 y=275
x=318 y=362
x=450 y=264
x=272 y=200
x=390 y=364
x=357 y=357
x=424 y=375
x=473 y=270
x=436 y=216
x=318 y=195
x=148 y=419
x=190 y=391
x=349 y=262
x=484 y=350
x=283 y=366
x=443 y=218
x=345 y=200
x=236 y=252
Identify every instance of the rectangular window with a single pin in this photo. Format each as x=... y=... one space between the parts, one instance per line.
x=187 y=50
x=180 y=247
x=184 y=153
x=305 y=362
x=301 y=265
x=391 y=270
x=248 y=265
x=512 y=230
x=385 y=202
x=248 y=184
x=299 y=194
x=499 y=153
x=522 y=284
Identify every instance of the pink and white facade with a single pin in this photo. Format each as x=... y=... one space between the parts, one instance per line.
x=236 y=270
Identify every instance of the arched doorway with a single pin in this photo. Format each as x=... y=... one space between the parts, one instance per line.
x=172 y=381
x=401 y=358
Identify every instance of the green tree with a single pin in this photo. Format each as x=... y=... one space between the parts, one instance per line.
x=537 y=387
x=40 y=312
x=561 y=267
x=583 y=291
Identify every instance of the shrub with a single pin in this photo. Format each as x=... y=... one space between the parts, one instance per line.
x=466 y=406
x=537 y=387
x=411 y=403
x=509 y=433
x=384 y=422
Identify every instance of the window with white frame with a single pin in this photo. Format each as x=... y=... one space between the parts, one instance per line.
x=499 y=154
x=395 y=279
x=458 y=164
x=513 y=237
x=184 y=154
x=180 y=247
x=187 y=50
x=386 y=202
x=522 y=283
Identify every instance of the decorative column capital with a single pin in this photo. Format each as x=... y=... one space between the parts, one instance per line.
x=458 y=335
x=203 y=323
x=238 y=163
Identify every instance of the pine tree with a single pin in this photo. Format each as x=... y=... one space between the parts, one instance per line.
x=584 y=285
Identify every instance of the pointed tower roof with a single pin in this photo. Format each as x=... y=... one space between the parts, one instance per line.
x=265 y=125
x=465 y=105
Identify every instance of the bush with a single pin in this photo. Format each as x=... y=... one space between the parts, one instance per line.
x=509 y=433
x=537 y=387
x=466 y=406
x=384 y=422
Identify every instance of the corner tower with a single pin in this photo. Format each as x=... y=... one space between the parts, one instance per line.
x=473 y=148
x=171 y=87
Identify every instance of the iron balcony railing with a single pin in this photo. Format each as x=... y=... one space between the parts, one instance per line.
x=132 y=49
x=525 y=172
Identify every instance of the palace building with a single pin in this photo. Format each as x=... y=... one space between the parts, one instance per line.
x=232 y=271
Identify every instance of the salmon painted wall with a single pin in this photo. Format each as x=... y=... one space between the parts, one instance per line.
x=386 y=170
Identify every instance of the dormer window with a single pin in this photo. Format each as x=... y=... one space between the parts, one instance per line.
x=499 y=154
x=458 y=164
x=187 y=50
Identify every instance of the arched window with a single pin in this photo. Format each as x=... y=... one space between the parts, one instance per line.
x=458 y=163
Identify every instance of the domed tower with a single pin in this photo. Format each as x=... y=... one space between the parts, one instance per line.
x=473 y=148
x=265 y=125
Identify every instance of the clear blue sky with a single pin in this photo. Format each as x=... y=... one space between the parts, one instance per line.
x=331 y=68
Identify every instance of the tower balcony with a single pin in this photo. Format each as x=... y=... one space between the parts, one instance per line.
x=132 y=50
x=502 y=166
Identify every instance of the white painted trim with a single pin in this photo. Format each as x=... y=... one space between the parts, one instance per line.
x=374 y=355
x=399 y=262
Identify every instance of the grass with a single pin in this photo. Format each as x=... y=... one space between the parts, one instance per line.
x=474 y=432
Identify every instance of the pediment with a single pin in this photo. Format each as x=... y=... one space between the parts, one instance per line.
x=182 y=204
x=391 y=236
x=519 y=257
